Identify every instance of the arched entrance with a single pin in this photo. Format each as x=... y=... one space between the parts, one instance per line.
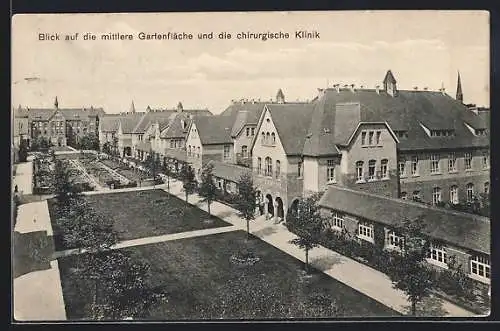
x=280 y=212
x=270 y=206
x=127 y=151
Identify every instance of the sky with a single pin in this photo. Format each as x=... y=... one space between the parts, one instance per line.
x=421 y=48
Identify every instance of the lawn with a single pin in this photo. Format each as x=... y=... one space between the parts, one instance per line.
x=31 y=252
x=61 y=149
x=201 y=281
x=148 y=213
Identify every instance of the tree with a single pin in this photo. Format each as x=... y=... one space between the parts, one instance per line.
x=106 y=148
x=167 y=170
x=152 y=165
x=89 y=141
x=23 y=150
x=247 y=196
x=409 y=271
x=308 y=225
x=188 y=180
x=207 y=185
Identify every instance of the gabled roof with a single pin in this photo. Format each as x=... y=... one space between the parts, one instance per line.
x=292 y=121
x=228 y=171
x=109 y=122
x=44 y=114
x=174 y=128
x=129 y=121
x=389 y=77
x=214 y=129
x=461 y=229
x=404 y=112
x=150 y=117
x=253 y=109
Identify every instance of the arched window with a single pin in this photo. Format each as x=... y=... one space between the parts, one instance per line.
x=244 y=151
x=436 y=195
x=268 y=141
x=359 y=171
x=371 y=169
x=470 y=192
x=263 y=142
x=268 y=171
x=454 y=194
x=259 y=165
x=189 y=150
x=273 y=138
x=198 y=151
x=278 y=169
x=404 y=195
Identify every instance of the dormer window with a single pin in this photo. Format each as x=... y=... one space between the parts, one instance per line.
x=401 y=134
x=476 y=132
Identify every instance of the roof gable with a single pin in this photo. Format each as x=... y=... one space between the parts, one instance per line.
x=214 y=129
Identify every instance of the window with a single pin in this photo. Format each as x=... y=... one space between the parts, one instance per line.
x=359 y=171
x=437 y=255
x=330 y=171
x=337 y=221
x=434 y=163
x=404 y=195
x=486 y=161
x=394 y=240
x=189 y=149
x=371 y=169
x=248 y=132
x=377 y=139
x=299 y=169
x=363 y=138
x=273 y=138
x=416 y=196
x=198 y=151
x=436 y=195
x=268 y=170
x=244 y=151
x=452 y=162
x=402 y=167
x=253 y=131
x=219 y=183
x=383 y=168
x=259 y=165
x=226 y=152
x=263 y=142
x=487 y=188
x=365 y=231
x=370 y=138
x=278 y=169
x=454 y=194
x=468 y=161
x=414 y=165
x=268 y=137
x=470 y=192
x=480 y=266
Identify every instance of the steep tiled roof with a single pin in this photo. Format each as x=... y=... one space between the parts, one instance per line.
x=461 y=229
x=109 y=122
x=198 y=112
x=175 y=129
x=405 y=112
x=239 y=122
x=229 y=171
x=129 y=121
x=214 y=129
x=292 y=122
x=44 y=114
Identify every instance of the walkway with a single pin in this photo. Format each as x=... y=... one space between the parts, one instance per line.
x=24 y=177
x=362 y=278
x=155 y=240
x=38 y=296
x=95 y=182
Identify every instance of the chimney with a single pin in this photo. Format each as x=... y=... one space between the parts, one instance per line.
x=180 y=108
x=337 y=87
x=377 y=89
x=426 y=88
x=442 y=89
x=415 y=88
x=352 y=88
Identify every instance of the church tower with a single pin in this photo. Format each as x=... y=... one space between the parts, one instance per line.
x=280 y=96
x=460 y=96
x=132 y=107
x=56 y=103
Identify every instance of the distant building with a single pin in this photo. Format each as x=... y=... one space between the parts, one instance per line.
x=62 y=125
